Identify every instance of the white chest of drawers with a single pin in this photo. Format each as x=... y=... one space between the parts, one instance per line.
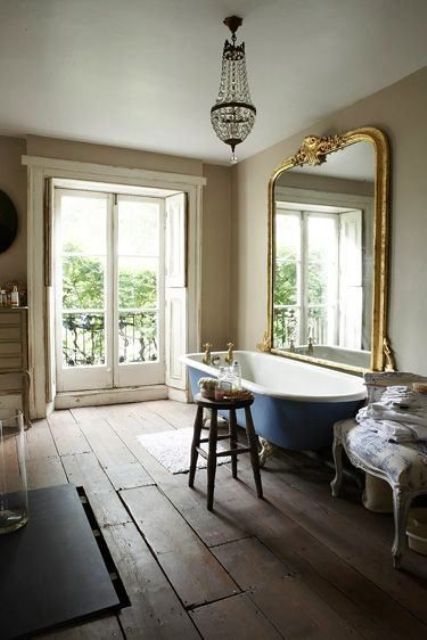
x=14 y=374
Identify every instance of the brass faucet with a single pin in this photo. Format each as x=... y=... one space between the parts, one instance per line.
x=229 y=358
x=207 y=357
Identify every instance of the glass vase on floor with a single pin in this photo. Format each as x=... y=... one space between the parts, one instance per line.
x=13 y=476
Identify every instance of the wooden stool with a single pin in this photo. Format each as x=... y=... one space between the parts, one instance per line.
x=235 y=447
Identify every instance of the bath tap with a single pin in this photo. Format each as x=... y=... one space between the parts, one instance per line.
x=229 y=358
x=207 y=357
x=216 y=360
x=310 y=346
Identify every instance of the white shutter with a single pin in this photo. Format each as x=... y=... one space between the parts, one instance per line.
x=176 y=291
x=350 y=279
x=176 y=240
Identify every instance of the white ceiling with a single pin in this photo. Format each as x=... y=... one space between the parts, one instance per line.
x=144 y=73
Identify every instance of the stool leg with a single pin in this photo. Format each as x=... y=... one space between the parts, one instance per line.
x=252 y=441
x=198 y=424
x=233 y=442
x=213 y=434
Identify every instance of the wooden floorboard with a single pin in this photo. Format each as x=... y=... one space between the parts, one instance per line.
x=236 y=617
x=49 y=473
x=117 y=460
x=363 y=552
x=40 y=443
x=155 y=611
x=83 y=469
x=297 y=565
x=67 y=434
x=282 y=595
x=193 y=570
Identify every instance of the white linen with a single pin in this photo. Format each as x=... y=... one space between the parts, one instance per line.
x=400 y=415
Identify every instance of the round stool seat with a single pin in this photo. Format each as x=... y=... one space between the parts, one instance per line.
x=222 y=405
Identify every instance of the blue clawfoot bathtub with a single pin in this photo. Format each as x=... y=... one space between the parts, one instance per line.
x=296 y=403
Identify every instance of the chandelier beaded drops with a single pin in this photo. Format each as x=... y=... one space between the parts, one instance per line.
x=233 y=114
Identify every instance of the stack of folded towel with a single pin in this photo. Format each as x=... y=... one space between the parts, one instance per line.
x=400 y=416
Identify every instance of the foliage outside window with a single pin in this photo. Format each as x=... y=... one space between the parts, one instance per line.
x=83 y=311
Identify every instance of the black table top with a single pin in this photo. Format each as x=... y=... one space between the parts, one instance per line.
x=51 y=570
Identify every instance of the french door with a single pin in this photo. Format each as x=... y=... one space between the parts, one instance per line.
x=110 y=290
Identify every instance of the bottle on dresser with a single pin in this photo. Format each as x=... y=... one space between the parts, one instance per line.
x=14 y=296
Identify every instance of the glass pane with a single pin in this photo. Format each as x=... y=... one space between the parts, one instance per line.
x=322 y=239
x=84 y=224
x=285 y=283
x=138 y=227
x=137 y=283
x=322 y=285
x=83 y=282
x=322 y=325
x=138 y=337
x=286 y=322
x=83 y=339
x=287 y=235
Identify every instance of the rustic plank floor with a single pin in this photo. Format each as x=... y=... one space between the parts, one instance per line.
x=297 y=565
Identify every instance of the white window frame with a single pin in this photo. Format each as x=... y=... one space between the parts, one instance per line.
x=40 y=294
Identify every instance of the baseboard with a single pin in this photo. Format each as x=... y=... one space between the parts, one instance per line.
x=73 y=399
x=179 y=395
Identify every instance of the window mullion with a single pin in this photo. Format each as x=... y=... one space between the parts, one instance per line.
x=111 y=288
x=304 y=278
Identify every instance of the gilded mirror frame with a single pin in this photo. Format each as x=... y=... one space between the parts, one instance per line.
x=314 y=151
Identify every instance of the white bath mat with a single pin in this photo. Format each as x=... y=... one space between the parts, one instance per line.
x=172 y=449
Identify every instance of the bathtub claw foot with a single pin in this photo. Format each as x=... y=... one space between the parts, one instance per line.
x=267 y=450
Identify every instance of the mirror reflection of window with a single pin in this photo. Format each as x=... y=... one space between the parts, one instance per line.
x=318 y=276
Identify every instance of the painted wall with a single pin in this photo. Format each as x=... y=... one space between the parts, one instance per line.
x=13 y=181
x=216 y=213
x=400 y=111
x=216 y=257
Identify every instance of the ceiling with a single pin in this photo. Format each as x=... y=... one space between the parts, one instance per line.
x=144 y=73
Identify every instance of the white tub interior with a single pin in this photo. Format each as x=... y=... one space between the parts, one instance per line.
x=282 y=377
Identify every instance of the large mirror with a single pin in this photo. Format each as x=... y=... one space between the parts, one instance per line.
x=328 y=236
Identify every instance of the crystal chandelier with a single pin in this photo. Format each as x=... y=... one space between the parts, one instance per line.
x=233 y=114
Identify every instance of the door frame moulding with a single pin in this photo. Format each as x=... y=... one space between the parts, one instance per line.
x=39 y=171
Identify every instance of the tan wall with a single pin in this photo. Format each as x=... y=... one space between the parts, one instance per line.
x=400 y=111
x=13 y=181
x=216 y=256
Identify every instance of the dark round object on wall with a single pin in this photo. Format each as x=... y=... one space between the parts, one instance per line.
x=8 y=222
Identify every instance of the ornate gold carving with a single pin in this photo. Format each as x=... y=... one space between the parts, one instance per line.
x=390 y=362
x=265 y=344
x=314 y=149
